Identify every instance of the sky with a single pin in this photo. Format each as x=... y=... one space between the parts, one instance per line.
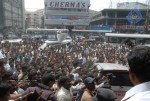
x=97 y=5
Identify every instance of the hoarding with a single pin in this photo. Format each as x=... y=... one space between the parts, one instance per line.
x=78 y=4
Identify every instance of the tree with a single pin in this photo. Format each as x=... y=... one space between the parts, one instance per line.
x=42 y=22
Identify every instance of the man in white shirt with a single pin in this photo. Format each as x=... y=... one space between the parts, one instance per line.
x=3 y=59
x=64 y=94
x=76 y=73
x=139 y=73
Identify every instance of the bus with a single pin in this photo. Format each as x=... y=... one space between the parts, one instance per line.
x=89 y=34
x=47 y=34
x=44 y=31
x=141 y=39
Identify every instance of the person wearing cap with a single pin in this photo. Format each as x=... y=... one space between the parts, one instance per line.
x=139 y=73
x=90 y=87
x=64 y=94
x=103 y=94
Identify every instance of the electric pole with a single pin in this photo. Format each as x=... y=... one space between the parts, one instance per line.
x=110 y=6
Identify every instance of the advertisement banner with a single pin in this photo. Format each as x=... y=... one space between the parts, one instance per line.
x=65 y=17
x=78 y=4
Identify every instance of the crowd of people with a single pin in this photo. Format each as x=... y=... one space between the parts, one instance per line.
x=29 y=72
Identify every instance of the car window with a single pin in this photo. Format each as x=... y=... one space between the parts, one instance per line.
x=118 y=78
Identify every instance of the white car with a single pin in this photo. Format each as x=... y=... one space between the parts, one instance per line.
x=120 y=82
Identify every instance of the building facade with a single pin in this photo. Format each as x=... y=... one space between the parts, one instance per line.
x=62 y=13
x=131 y=5
x=119 y=18
x=34 y=19
x=12 y=16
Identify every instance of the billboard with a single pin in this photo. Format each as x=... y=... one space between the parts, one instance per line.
x=78 y=4
x=68 y=19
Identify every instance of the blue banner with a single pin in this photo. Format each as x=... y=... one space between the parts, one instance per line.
x=101 y=28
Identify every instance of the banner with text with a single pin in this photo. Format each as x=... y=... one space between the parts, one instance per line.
x=78 y=4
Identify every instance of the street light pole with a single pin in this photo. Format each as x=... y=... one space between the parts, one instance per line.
x=147 y=13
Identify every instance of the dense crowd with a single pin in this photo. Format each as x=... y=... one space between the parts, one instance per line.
x=48 y=73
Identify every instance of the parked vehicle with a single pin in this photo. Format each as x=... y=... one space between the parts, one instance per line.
x=118 y=75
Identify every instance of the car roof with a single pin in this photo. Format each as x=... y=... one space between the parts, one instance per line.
x=110 y=66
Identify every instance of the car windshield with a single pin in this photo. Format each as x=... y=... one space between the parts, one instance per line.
x=118 y=78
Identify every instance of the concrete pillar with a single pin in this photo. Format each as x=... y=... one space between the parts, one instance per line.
x=115 y=17
x=2 y=14
x=106 y=22
x=106 y=14
x=23 y=15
